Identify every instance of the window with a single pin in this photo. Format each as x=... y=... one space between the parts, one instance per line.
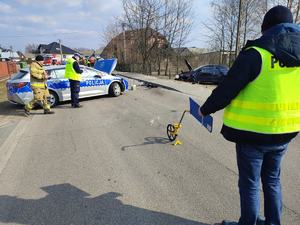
x=206 y=69
x=19 y=75
x=88 y=72
x=223 y=70
x=215 y=71
x=60 y=73
x=51 y=74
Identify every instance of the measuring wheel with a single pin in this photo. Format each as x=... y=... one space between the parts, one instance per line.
x=171 y=132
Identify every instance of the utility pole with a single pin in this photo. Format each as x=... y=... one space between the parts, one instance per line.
x=11 y=55
x=61 y=56
x=238 y=29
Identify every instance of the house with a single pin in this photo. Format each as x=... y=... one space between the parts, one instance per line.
x=190 y=51
x=8 y=55
x=53 y=50
x=125 y=45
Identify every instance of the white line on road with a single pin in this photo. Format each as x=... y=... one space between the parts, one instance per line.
x=10 y=144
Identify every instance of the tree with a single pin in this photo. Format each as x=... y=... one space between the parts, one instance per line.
x=175 y=25
x=112 y=30
x=157 y=20
x=234 y=21
x=141 y=16
x=31 y=48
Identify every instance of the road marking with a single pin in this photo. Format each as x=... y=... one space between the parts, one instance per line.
x=10 y=144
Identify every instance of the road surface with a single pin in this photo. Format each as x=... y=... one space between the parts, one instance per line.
x=111 y=163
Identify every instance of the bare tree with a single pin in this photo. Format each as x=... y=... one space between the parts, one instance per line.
x=234 y=21
x=160 y=25
x=237 y=45
x=112 y=30
x=142 y=17
x=297 y=12
x=176 y=25
x=31 y=48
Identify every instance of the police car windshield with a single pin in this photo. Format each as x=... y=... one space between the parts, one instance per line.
x=19 y=75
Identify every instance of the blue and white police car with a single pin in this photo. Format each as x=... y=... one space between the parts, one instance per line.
x=94 y=82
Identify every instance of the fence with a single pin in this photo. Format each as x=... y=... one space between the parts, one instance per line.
x=7 y=69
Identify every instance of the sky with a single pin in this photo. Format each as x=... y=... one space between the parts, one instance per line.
x=78 y=23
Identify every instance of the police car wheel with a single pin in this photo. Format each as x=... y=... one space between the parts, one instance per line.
x=114 y=89
x=53 y=99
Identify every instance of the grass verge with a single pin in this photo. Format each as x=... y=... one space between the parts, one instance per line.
x=3 y=94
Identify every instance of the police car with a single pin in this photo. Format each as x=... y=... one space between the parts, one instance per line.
x=93 y=83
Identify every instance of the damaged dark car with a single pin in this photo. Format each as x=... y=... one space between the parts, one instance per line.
x=208 y=74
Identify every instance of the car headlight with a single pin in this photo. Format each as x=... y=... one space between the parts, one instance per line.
x=177 y=76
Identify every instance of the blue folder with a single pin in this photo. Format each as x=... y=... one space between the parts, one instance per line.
x=206 y=121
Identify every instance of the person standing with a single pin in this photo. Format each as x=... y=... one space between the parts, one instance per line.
x=73 y=73
x=261 y=97
x=38 y=85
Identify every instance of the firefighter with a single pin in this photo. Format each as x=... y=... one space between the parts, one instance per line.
x=38 y=85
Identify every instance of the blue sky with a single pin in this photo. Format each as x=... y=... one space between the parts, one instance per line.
x=78 y=23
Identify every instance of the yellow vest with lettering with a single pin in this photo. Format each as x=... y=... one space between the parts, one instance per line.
x=70 y=73
x=271 y=103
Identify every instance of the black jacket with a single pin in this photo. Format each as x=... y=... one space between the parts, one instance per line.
x=76 y=67
x=283 y=41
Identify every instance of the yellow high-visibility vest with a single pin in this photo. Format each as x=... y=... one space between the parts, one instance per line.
x=271 y=103
x=70 y=73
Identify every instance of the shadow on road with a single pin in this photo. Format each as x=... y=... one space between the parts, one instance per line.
x=68 y=205
x=149 y=141
x=9 y=109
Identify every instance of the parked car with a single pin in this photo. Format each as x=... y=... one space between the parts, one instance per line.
x=204 y=74
x=94 y=82
x=48 y=59
x=214 y=74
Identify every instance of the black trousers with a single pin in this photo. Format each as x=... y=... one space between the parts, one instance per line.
x=75 y=89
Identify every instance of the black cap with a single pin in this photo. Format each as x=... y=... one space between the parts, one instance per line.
x=39 y=58
x=276 y=15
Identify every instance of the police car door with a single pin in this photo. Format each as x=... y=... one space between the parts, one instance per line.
x=92 y=84
x=59 y=83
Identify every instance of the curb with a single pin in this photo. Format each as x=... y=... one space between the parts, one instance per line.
x=8 y=147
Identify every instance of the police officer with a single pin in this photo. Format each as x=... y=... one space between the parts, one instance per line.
x=73 y=73
x=261 y=97
x=38 y=85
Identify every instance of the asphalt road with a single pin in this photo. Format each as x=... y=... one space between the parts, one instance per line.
x=110 y=163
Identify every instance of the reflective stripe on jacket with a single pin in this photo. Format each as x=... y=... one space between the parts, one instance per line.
x=70 y=73
x=271 y=103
